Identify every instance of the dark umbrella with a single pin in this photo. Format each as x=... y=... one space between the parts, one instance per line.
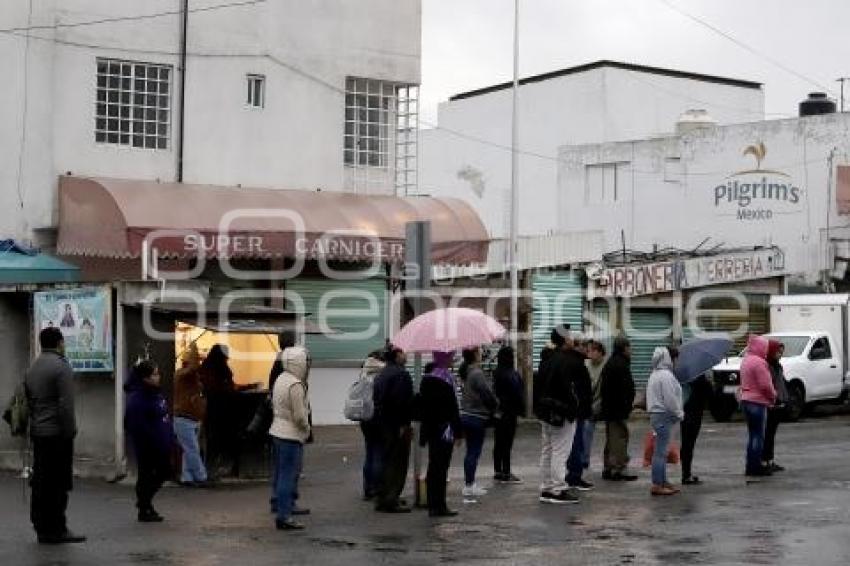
x=700 y=355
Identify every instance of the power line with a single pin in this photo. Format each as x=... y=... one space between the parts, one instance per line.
x=743 y=45
x=130 y=18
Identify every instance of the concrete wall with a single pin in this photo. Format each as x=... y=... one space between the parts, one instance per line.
x=305 y=49
x=675 y=190
x=469 y=155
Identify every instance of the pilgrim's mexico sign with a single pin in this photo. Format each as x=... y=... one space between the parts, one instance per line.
x=680 y=274
x=757 y=194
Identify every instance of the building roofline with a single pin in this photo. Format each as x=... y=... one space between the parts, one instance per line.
x=616 y=65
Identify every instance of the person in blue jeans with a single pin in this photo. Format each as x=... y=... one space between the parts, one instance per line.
x=190 y=407
x=478 y=404
x=290 y=430
x=665 y=406
x=757 y=394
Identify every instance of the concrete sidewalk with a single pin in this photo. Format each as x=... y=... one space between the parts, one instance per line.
x=799 y=517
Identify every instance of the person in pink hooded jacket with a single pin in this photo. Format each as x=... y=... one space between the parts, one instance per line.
x=757 y=394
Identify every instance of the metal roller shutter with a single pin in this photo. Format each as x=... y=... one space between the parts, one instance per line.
x=352 y=314
x=558 y=299
x=649 y=329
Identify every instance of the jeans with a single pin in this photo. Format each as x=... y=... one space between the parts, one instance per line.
x=290 y=454
x=556 y=443
x=662 y=424
x=186 y=431
x=690 y=431
x=503 y=444
x=774 y=416
x=756 y=421
x=439 y=459
x=475 y=430
x=52 y=479
x=575 y=462
x=372 y=460
x=273 y=475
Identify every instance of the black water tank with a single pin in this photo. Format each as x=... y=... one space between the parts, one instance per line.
x=817 y=103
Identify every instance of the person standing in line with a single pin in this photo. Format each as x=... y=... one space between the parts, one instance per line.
x=617 y=396
x=775 y=351
x=697 y=395
x=285 y=340
x=441 y=428
x=371 y=432
x=584 y=394
x=595 y=363
x=393 y=398
x=190 y=407
x=290 y=430
x=49 y=386
x=555 y=405
x=510 y=392
x=664 y=403
x=757 y=394
x=151 y=431
x=477 y=407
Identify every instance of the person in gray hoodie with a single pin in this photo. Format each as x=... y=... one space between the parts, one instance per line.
x=664 y=403
x=478 y=404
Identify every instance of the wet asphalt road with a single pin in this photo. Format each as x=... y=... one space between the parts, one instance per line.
x=801 y=517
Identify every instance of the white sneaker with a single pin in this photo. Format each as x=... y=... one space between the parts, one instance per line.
x=474 y=490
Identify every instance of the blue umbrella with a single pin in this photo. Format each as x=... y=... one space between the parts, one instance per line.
x=700 y=355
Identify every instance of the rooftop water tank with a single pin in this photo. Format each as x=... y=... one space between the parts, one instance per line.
x=817 y=103
x=694 y=119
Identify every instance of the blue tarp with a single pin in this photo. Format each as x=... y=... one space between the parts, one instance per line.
x=20 y=265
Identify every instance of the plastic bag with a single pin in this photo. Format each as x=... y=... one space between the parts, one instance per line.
x=673 y=453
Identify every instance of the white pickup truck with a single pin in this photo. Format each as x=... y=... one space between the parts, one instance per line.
x=814 y=330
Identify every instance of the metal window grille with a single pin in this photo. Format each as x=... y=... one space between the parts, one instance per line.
x=133 y=105
x=256 y=91
x=407 y=140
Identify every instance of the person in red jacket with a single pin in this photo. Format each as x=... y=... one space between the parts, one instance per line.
x=757 y=394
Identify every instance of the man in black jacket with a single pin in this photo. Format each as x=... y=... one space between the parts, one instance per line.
x=393 y=398
x=53 y=426
x=584 y=395
x=556 y=408
x=617 y=396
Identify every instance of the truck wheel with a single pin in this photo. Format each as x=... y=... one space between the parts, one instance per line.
x=796 y=402
x=723 y=408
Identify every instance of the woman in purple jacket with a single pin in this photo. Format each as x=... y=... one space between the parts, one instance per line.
x=149 y=427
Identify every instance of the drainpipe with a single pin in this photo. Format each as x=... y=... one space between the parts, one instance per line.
x=181 y=118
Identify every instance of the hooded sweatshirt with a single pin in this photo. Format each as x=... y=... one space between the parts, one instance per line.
x=756 y=379
x=289 y=398
x=146 y=417
x=663 y=393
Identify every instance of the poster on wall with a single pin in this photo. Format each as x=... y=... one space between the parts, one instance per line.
x=85 y=318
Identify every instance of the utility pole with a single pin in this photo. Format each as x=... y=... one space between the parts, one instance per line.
x=842 y=80
x=512 y=250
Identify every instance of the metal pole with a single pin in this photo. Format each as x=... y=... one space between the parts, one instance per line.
x=512 y=249
x=120 y=376
x=184 y=30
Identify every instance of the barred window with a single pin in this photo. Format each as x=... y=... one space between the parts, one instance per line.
x=370 y=107
x=133 y=106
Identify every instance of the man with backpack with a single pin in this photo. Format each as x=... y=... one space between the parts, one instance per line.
x=556 y=406
x=360 y=407
x=49 y=387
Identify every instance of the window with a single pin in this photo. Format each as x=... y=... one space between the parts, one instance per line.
x=820 y=350
x=133 y=105
x=673 y=170
x=370 y=108
x=605 y=183
x=256 y=91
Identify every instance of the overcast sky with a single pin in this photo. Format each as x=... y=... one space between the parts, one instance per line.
x=467 y=44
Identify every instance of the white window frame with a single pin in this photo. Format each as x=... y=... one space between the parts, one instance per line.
x=256 y=90
x=133 y=103
x=370 y=114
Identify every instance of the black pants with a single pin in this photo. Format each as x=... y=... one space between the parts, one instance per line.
x=396 y=452
x=773 y=418
x=52 y=479
x=691 y=426
x=154 y=468
x=439 y=460
x=504 y=444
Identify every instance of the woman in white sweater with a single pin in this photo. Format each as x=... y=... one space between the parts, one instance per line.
x=664 y=403
x=290 y=429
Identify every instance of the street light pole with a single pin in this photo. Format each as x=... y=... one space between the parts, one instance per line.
x=512 y=248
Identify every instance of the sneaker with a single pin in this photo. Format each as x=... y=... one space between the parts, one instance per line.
x=64 y=538
x=691 y=480
x=289 y=525
x=150 y=516
x=474 y=491
x=562 y=498
x=624 y=477
x=774 y=467
x=581 y=485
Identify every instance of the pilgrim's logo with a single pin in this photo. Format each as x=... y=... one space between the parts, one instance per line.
x=758 y=193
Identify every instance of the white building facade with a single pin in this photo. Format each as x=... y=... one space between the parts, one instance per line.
x=468 y=154
x=286 y=94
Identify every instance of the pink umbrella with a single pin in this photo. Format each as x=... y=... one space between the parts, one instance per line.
x=449 y=329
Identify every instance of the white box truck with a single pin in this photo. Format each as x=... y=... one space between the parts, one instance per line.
x=814 y=329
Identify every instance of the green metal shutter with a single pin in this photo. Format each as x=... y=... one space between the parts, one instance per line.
x=558 y=299
x=346 y=320
x=649 y=329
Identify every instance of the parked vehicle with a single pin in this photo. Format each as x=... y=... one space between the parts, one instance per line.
x=814 y=330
